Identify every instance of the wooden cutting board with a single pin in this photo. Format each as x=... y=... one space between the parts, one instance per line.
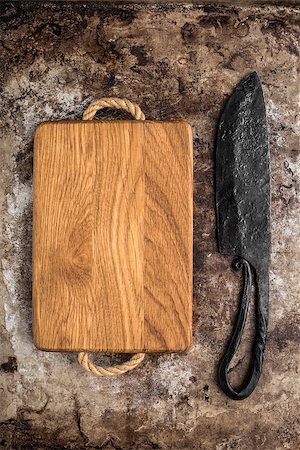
x=112 y=236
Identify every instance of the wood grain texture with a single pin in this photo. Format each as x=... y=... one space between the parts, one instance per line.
x=112 y=236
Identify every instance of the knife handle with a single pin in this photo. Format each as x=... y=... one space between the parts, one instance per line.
x=261 y=283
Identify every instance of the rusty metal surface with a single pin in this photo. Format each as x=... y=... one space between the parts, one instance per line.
x=176 y=62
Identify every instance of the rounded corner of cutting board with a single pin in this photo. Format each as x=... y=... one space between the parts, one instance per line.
x=40 y=128
x=39 y=342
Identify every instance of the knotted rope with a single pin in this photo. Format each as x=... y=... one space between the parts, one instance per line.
x=83 y=357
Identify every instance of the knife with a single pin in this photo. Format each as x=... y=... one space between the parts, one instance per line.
x=243 y=216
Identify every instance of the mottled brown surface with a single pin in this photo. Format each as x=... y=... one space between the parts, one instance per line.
x=176 y=62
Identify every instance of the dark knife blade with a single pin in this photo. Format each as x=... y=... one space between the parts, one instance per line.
x=243 y=214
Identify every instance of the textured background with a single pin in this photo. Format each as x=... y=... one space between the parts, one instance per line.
x=177 y=61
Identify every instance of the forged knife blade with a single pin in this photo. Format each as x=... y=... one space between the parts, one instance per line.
x=243 y=216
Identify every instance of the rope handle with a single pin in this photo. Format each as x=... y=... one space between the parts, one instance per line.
x=100 y=371
x=83 y=357
x=113 y=102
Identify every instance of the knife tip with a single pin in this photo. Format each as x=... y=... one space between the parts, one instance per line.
x=251 y=81
x=255 y=75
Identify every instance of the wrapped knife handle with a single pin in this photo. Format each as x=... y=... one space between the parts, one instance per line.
x=261 y=283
